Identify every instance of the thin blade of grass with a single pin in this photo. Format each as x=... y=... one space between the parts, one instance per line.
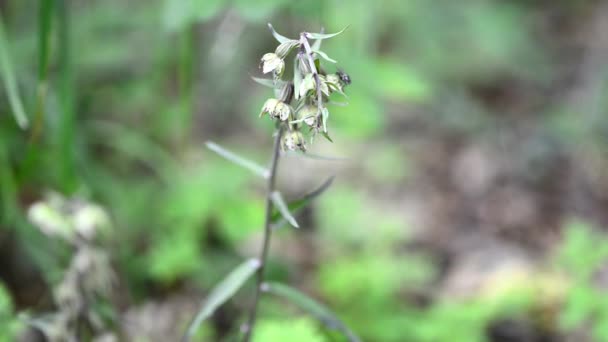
x=235 y=158
x=8 y=78
x=221 y=293
x=319 y=311
x=280 y=204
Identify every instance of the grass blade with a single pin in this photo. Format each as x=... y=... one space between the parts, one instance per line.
x=323 y=314
x=295 y=206
x=221 y=293
x=280 y=204
x=235 y=158
x=10 y=84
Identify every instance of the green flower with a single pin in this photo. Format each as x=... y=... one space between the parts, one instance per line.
x=272 y=62
x=309 y=115
x=276 y=109
x=294 y=140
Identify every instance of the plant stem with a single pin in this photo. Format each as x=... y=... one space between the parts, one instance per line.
x=267 y=234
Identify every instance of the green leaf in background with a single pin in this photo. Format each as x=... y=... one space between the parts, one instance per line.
x=280 y=204
x=297 y=205
x=8 y=78
x=257 y=10
x=235 y=158
x=364 y=116
x=179 y=14
x=323 y=314
x=223 y=292
x=292 y=330
x=399 y=81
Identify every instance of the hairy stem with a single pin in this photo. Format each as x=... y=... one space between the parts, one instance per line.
x=267 y=234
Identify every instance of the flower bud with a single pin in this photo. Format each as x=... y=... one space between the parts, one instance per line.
x=293 y=140
x=269 y=107
x=334 y=83
x=272 y=62
x=276 y=109
x=309 y=114
x=287 y=93
x=281 y=111
x=285 y=48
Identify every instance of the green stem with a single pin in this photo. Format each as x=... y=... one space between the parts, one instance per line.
x=267 y=235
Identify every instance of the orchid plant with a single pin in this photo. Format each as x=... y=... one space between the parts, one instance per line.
x=298 y=110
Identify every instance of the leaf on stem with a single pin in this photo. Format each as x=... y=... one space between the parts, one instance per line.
x=323 y=314
x=324 y=35
x=324 y=55
x=277 y=219
x=275 y=84
x=10 y=84
x=235 y=158
x=277 y=36
x=279 y=202
x=317 y=44
x=223 y=292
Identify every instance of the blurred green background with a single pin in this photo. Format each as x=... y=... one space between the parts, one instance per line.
x=472 y=205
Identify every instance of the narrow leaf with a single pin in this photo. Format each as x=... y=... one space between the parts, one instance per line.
x=317 y=44
x=10 y=84
x=275 y=84
x=324 y=55
x=279 y=202
x=324 y=35
x=235 y=158
x=221 y=293
x=277 y=36
x=326 y=135
x=323 y=314
x=295 y=206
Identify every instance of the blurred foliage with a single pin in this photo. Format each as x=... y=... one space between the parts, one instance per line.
x=584 y=254
x=9 y=324
x=120 y=96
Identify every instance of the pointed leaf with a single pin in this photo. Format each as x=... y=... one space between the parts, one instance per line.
x=235 y=158
x=317 y=44
x=323 y=314
x=10 y=84
x=324 y=55
x=280 y=204
x=295 y=206
x=326 y=135
x=324 y=117
x=223 y=292
x=277 y=36
x=275 y=84
x=324 y=35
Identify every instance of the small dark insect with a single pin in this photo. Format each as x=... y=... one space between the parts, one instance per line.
x=344 y=77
